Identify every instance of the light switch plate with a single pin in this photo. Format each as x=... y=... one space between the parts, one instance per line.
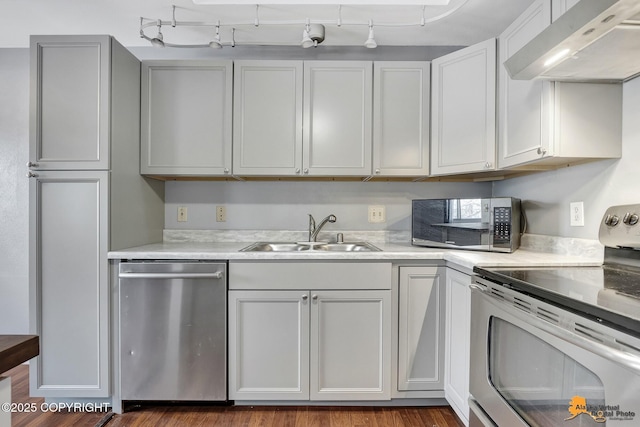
x=377 y=214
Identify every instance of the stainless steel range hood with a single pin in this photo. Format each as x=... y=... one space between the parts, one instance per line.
x=595 y=40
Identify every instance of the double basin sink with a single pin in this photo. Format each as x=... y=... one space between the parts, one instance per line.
x=310 y=246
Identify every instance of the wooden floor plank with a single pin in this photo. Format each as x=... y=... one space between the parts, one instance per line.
x=230 y=416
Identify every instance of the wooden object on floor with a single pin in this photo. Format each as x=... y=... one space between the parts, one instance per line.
x=17 y=349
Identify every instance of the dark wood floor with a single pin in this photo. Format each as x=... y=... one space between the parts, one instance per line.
x=250 y=416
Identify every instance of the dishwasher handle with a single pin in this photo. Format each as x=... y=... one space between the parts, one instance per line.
x=216 y=275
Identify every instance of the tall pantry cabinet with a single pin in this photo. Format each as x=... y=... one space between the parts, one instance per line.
x=86 y=197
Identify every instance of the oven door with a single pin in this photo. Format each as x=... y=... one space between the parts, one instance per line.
x=528 y=371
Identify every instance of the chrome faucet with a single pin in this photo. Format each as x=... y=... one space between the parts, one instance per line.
x=313 y=230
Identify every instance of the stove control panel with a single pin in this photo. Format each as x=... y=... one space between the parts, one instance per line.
x=619 y=227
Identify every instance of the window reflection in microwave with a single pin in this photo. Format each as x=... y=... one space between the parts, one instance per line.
x=465 y=209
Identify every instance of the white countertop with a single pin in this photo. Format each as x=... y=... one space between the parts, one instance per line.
x=390 y=252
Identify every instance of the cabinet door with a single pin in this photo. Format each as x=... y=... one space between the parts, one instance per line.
x=267 y=127
x=463 y=115
x=457 y=340
x=350 y=345
x=421 y=328
x=525 y=106
x=268 y=345
x=559 y=7
x=337 y=118
x=70 y=102
x=69 y=283
x=401 y=118
x=186 y=117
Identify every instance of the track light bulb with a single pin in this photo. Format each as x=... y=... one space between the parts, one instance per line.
x=306 y=39
x=158 y=40
x=371 y=42
x=312 y=35
x=216 y=43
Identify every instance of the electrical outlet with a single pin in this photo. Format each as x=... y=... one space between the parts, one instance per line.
x=182 y=214
x=577 y=214
x=377 y=214
x=221 y=214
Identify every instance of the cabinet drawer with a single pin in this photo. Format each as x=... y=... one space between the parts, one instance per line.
x=309 y=275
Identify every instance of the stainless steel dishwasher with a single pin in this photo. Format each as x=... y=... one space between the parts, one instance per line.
x=173 y=323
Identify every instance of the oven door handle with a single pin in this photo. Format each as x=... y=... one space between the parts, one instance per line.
x=476 y=287
x=627 y=360
x=630 y=361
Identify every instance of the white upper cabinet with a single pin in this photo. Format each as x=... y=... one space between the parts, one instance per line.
x=463 y=116
x=186 y=117
x=267 y=129
x=552 y=123
x=337 y=118
x=524 y=105
x=559 y=7
x=401 y=118
x=70 y=117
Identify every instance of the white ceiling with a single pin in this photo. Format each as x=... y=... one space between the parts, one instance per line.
x=473 y=21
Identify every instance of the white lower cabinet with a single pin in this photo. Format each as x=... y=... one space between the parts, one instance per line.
x=350 y=351
x=69 y=283
x=456 y=373
x=268 y=345
x=421 y=329
x=319 y=343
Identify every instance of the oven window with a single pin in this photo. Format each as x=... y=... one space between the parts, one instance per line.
x=542 y=384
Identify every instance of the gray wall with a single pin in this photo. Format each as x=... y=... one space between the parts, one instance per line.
x=284 y=205
x=14 y=203
x=599 y=185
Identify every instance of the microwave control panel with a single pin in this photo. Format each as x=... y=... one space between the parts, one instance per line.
x=501 y=226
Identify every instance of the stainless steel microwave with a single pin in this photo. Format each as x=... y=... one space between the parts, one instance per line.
x=491 y=224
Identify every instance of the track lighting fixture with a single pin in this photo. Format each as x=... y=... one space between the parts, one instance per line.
x=215 y=43
x=371 y=42
x=158 y=41
x=312 y=35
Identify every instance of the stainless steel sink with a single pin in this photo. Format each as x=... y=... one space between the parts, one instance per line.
x=347 y=247
x=275 y=247
x=310 y=246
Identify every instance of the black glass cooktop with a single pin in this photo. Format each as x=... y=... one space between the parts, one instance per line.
x=608 y=293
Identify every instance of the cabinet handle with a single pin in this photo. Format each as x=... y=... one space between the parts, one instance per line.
x=488 y=165
x=542 y=151
x=377 y=171
x=305 y=297
x=32 y=175
x=297 y=171
x=32 y=165
x=314 y=297
x=226 y=171
x=306 y=171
